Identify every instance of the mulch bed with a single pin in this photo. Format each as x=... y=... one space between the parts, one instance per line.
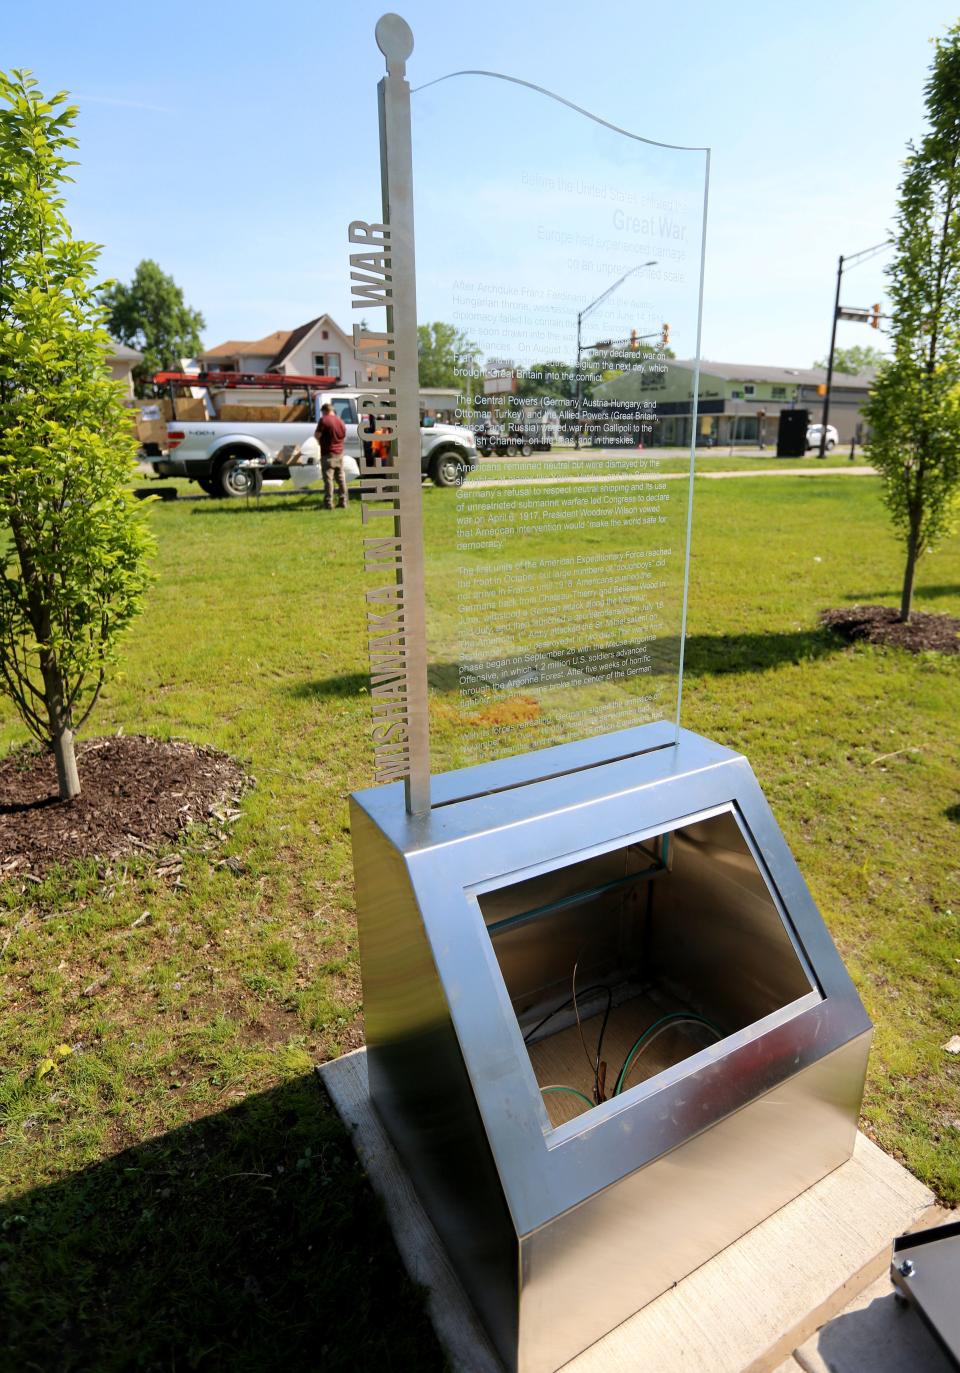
x=878 y=624
x=138 y=794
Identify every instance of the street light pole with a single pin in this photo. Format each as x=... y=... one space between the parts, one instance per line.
x=581 y=315
x=576 y=436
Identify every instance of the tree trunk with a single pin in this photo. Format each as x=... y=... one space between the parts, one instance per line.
x=61 y=731
x=68 y=779
x=54 y=696
x=906 y=595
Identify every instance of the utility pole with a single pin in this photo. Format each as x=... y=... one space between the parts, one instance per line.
x=833 y=344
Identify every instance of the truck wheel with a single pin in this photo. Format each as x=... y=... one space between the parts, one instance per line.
x=447 y=470
x=231 y=480
x=526 y=449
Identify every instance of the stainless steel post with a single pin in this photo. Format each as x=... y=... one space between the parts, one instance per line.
x=395 y=41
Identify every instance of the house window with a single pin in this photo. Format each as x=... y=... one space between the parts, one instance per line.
x=736 y=395
x=223 y=367
x=749 y=389
x=326 y=365
x=778 y=393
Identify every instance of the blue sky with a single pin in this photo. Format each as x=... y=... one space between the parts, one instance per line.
x=235 y=146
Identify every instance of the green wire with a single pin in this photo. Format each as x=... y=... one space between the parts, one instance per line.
x=664 y=1020
x=572 y=1091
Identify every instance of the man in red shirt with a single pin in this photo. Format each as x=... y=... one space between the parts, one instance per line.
x=330 y=434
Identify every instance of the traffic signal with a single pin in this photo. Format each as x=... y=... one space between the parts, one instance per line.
x=634 y=341
x=664 y=335
x=875 y=317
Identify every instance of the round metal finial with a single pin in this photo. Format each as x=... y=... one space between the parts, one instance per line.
x=395 y=40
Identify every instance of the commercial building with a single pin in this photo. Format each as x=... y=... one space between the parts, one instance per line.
x=739 y=402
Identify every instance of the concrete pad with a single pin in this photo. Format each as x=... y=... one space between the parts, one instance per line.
x=745 y=1311
x=457 y=1327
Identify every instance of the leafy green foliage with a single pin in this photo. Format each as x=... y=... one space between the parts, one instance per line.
x=151 y=315
x=915 y=445
x=914 y=408
x=443 y=348
x=550 y=379
x=72 y=560
x=853 y=361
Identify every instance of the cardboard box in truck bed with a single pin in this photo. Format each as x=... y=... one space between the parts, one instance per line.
x=152 y=431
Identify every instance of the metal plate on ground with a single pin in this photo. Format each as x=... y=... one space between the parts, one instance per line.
x=926 y=1270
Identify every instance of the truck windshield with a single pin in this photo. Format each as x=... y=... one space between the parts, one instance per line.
x=344 y=409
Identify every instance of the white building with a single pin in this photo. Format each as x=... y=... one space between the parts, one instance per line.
x=319 y=348
x=121 y=361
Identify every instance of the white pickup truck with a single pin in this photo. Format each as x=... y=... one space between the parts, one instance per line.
x=210 y=452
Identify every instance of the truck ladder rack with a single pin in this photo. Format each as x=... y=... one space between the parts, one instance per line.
x=230 y=381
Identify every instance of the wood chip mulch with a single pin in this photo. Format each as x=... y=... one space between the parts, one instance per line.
x=878 y=624
x=138 y=794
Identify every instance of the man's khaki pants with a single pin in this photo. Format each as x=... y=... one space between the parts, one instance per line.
x=332 y=468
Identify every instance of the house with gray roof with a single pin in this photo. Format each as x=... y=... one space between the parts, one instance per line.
x=318 y=348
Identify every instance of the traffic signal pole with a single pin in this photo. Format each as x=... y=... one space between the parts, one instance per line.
x=864 y=316
x=833 y=344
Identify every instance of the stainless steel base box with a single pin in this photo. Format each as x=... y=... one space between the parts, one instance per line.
x=652 y=897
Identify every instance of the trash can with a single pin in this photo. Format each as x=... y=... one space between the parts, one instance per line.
x=792 y=433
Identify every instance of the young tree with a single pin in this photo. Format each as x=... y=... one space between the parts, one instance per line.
x=443 y=348
x=914 y=406
x=150 y=314
x=72 y=543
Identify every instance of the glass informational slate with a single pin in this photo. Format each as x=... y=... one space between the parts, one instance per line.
x=567 y=256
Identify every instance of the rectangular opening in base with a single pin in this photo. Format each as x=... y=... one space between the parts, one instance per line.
x=625 y=963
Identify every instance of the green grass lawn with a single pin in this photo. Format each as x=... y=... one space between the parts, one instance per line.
x=176 y=1193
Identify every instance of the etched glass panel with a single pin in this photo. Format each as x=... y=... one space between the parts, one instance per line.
x=567 y=257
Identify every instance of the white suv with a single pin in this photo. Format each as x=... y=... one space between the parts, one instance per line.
x=813 y=436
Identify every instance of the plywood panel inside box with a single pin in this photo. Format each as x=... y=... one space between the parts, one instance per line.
x=561 y=1059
